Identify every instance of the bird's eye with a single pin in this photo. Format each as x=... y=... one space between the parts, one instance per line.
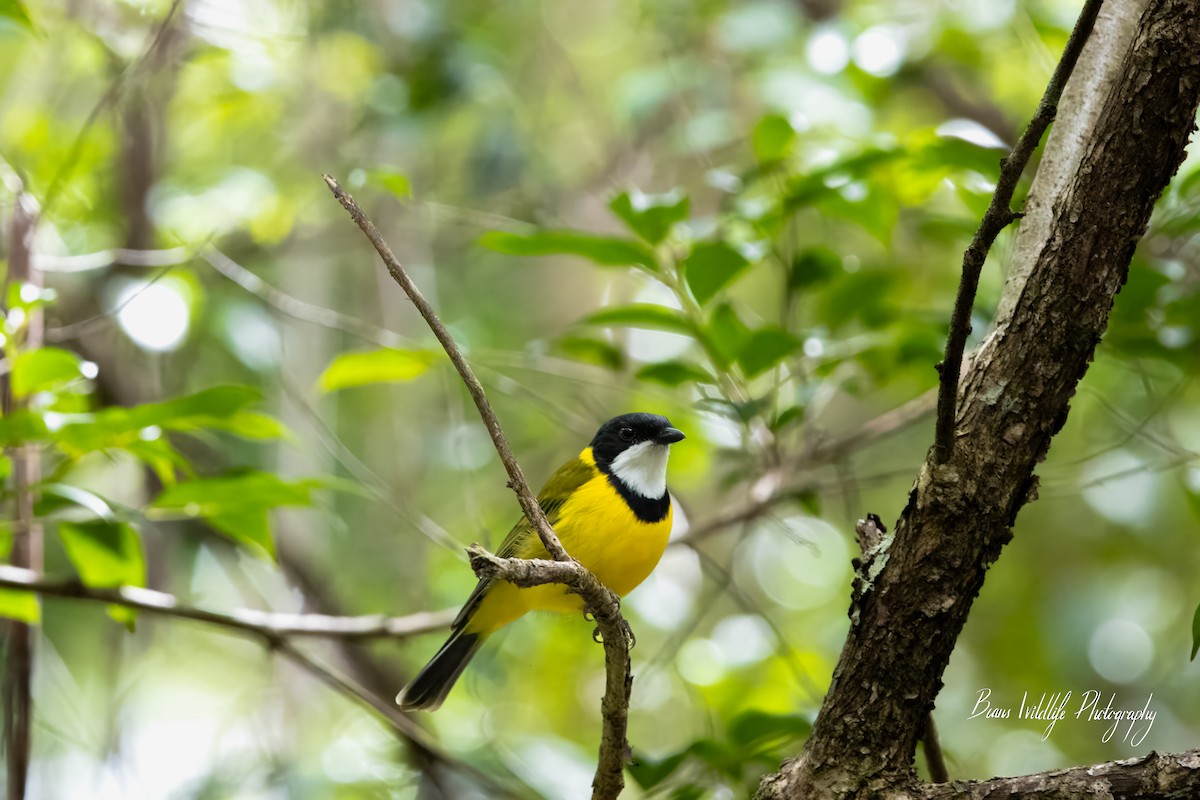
x=626 y=434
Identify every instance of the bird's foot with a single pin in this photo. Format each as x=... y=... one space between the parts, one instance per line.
x=629 y=635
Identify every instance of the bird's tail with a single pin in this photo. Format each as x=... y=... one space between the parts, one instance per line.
x=436 y=679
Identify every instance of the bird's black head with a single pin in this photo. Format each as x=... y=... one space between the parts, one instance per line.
x=620 y=433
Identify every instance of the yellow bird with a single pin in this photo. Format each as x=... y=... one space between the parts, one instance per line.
x=612 y=513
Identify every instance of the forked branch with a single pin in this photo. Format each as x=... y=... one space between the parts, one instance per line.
x=998 y=216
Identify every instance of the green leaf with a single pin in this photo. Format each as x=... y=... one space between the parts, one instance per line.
x=254 y=425
x=161 y=457
x=739 y=412
x=755 y=728
x=375 y=366
x=44 y=369
x=57 y=496
x=813 y=266
x=251 y=528
x=651 y=216
x=394 y=182
x=673 y=373
x=788 y=416
x=15 y=10
x=195 y=410
x=806 y=189
x=773 y=138
x=593 y=351
x=25 y=295
x=710 y=267
x=866 y=297
x=649 y=772
x=642 y=315
x=727 y=333
x=105 y=553
x=19 y=605
x=22 y=427
x=232 y=494
x=944 y=153
x=139 y=429
x=604 y=250
x=765 y=348
x=236 y=504
x=1195 y=634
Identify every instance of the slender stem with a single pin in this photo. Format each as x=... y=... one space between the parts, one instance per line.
x=598 y=599
x=26 y=530
x=997 y=217
x=934 y=757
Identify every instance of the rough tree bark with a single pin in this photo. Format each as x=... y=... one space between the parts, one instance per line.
x=1012 y=399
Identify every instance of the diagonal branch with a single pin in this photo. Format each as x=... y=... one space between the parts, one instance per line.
x=598 y=599
x=998 y=216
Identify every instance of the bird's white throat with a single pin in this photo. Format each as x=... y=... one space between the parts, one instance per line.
x=643 y=468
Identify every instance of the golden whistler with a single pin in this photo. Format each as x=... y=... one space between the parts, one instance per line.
x=612 y=512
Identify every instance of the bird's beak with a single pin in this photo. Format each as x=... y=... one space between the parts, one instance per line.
x=669 y=436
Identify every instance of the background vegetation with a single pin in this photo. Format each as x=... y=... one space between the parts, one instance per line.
x=747 y=216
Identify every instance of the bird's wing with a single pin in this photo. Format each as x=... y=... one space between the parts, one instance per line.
x=522 y=541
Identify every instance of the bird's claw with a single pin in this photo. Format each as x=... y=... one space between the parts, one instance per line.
x=629 y=635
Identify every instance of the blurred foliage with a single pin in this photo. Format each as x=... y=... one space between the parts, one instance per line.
x=749 y=216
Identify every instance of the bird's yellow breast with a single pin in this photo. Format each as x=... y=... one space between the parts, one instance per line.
x=599 y=529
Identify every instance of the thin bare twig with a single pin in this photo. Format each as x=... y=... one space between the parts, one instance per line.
x=100 y=259
x=599 y=600
x=998 y=216
x=934 y=757
x=298 y=309
x=247 y=620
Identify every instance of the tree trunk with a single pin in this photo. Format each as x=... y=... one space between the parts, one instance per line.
x=1012 y=399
